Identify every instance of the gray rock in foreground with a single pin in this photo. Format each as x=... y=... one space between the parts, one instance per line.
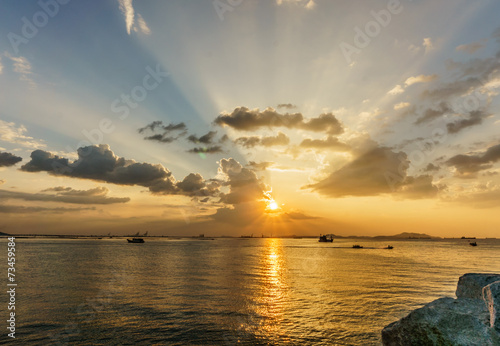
x=471 y=285
x=468 y=320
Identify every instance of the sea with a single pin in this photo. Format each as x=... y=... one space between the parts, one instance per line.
x=228 y=291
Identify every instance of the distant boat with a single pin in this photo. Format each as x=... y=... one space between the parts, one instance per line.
x=468 y=238
x=390 y=247
x=473 y=244
x=357 y=246
x=325 y=239
x=136 y=240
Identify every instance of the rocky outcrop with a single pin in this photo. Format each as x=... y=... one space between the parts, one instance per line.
x=471 y=319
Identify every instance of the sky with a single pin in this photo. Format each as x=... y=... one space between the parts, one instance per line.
x=239 y=117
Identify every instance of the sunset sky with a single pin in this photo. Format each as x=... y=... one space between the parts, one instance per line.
x=233 y=117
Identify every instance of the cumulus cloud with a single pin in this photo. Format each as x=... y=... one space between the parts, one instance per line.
x=8 y=159
x=99 y=163
x=245 y=119
x=329 y=143
x=97 y=195
x=431 y=168
x=269 y=141
x=378 y=171
x=420 y=79
x=244 y=185
x=467 y=166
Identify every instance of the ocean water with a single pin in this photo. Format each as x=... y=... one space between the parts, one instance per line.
x=229 y=291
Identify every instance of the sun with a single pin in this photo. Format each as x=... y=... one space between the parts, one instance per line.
x=272 y=205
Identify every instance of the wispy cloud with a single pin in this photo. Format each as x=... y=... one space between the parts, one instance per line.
x=21 y=66
x=398 y=89
x=130 y=18
x=420 y=79
x=11 y=133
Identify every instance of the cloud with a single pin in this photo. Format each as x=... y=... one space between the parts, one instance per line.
x=11 y=133
x=428 y=44
x=475 y=118
x=401 y=105
x=165 y=135
x=287 y=106
x=398 y=89
x=142 y=26
x=129 y=14
x=245 y=119
x=433 y=113
x=307 y=4
x=331 y=143
x=97 y=195
x=470 y=48
x=468 y=165
x=22 y=66
x=1 y=66
x=244 y=185
x=431 y=168
x=484 y=199
x=420 y=79
x=16 y=209
x=260 y=166
x=269 y=141
x=206 y=150
x=99 y=163
x=205 y=139
x=8 y=159
x=378 y=171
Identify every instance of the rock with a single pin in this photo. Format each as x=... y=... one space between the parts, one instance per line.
x=445 y=321
x=491 y=296
x=471 y=285
x=466 y=320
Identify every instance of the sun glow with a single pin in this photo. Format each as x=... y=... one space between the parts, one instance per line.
x=271 y=204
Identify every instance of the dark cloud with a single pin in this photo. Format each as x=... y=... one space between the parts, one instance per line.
x=243 y=118
x=17 y=209
x=206 y=150
x=375 y=172
x=164 y=134
x=250 y=142
x=92 y=196
x=330 y=142
x=431 y=168
x=8 y=159
x=205 y=139
x=469 y=165
x=99 y=163
x=260 y=166
x=287 y=106
x=475 y=118
x=433 y=113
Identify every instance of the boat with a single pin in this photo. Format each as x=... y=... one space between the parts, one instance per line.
x=136 y=240
x=390 y=247
x=325 y=239
x=473 y=244
x=357 y=246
